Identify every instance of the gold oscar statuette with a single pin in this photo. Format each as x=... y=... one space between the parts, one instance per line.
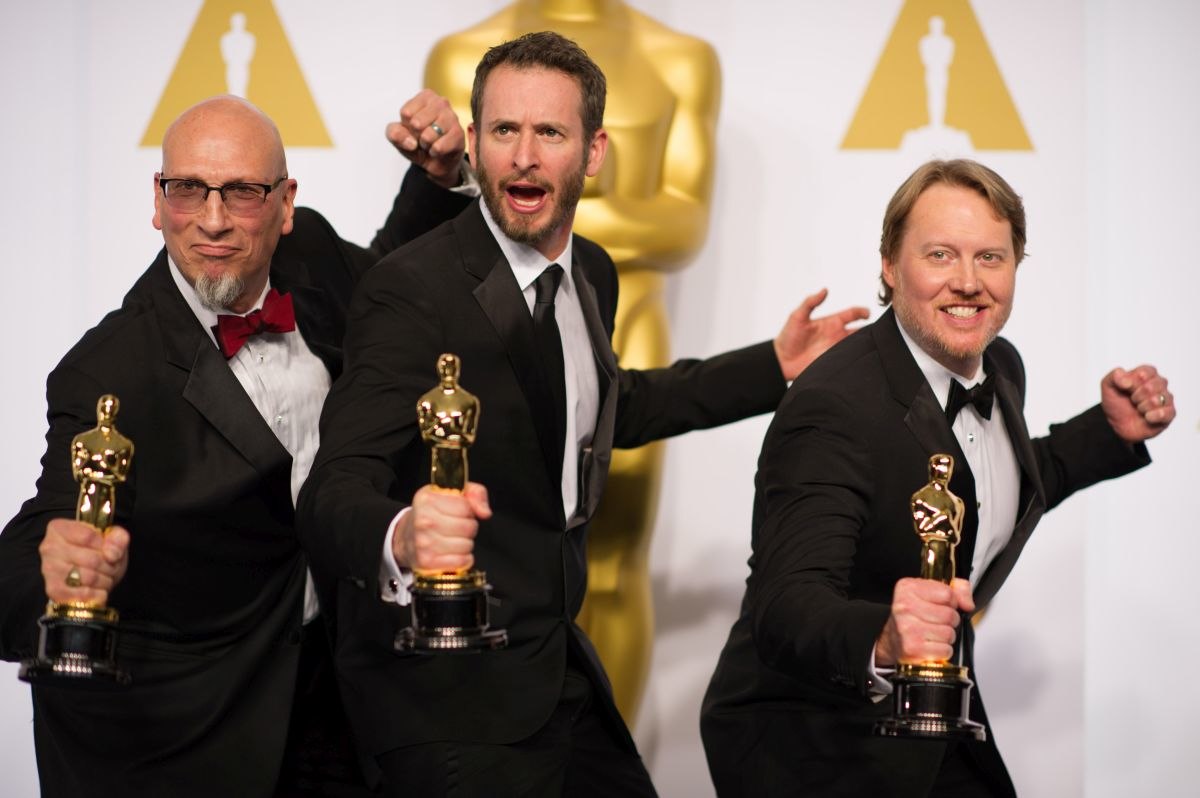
x=932 y=699
x=449 y=608
x=78 y=640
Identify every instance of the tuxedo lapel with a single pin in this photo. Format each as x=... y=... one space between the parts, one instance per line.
x=1031 y=502
x=500 y=299
x=211 y=387
x=595 y=461
x=1014 y=420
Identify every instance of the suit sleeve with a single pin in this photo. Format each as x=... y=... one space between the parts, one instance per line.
x=689 y=394
x=368 y=425
x=1083 y=451
x=71 y=401
x=814 y=482
x=696 y=394
x=418 y=208
x=1078 y=453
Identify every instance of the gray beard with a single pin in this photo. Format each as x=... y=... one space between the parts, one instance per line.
x=219 y=294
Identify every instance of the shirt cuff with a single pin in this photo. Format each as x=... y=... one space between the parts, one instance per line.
x=878 y=686
x=468 y=184
x=394 y=581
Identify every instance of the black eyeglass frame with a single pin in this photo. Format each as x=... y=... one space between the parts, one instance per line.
x=267 y=189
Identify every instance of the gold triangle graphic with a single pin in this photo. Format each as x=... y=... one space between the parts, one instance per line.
x=976 y=103
x=236 y=42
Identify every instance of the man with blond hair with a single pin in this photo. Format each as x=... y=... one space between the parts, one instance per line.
x=833 y=603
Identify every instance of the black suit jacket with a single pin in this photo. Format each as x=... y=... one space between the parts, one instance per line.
x=787 y=711
x=453 y=291
x=211 y=602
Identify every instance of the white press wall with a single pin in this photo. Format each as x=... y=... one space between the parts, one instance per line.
x=1084 y=657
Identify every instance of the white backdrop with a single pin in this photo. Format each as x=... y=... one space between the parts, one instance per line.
x=1078 y=655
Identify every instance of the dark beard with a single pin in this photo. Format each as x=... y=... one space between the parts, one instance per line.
x=520 y=229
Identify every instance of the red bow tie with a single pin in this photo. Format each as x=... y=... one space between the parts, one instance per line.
x=276 y=316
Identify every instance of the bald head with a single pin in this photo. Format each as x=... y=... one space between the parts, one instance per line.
x=226 y=256
x=231 y=118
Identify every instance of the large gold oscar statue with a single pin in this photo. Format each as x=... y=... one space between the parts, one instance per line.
x=649 y=208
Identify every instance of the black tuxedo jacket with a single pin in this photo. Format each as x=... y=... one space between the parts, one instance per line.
x=787 y=711
x=453 y=291
x=211 y=602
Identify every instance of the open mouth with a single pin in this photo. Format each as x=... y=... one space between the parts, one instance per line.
x=526 y=196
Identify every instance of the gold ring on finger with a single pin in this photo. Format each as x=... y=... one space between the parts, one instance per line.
x=74 y=578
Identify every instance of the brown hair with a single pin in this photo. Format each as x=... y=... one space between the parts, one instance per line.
x=960 y=172
x=547 y=50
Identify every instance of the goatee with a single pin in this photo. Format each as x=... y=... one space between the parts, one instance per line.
x=218 y=294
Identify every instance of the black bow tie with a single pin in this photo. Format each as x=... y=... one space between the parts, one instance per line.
x=981 y=395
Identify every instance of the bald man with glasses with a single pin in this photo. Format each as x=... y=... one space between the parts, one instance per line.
x=221 y=355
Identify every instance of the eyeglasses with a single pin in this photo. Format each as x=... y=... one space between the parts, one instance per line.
x=241 y=199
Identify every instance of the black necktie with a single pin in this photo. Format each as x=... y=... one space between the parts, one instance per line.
x=981 y=395
x=549 y=342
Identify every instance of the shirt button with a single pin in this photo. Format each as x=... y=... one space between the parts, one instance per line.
x=279 y=420
x=978 y=505
x=970 y=437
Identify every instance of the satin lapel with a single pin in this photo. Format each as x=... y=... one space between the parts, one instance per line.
x=314 y=317
x=1031 y=502
x=926 y=420
x=211 y=387
x=501 y=300
x=925 y=417
x=1018 y=433
x=594 y=463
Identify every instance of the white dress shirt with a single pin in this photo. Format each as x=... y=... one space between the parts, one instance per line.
x=288 y=385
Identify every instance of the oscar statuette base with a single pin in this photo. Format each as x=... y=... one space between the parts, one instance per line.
x=76 y=648
x=931 y=701
x=450 y=614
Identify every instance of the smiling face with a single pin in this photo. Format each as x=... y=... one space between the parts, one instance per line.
x=529 y=150
x=226 y=257
x=953 y=276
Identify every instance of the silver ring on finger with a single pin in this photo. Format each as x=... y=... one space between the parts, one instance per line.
x=437 y=129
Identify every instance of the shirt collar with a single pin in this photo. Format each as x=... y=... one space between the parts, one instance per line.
x=527 y=263
x=206 y=316
x=937 y=375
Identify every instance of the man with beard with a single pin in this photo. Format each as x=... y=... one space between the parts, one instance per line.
x=221 y=355
x=536 y=718
x=832 y=603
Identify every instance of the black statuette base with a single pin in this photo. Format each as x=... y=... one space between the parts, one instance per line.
x=931 y=702
x=76 y=649
x=450 y=614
